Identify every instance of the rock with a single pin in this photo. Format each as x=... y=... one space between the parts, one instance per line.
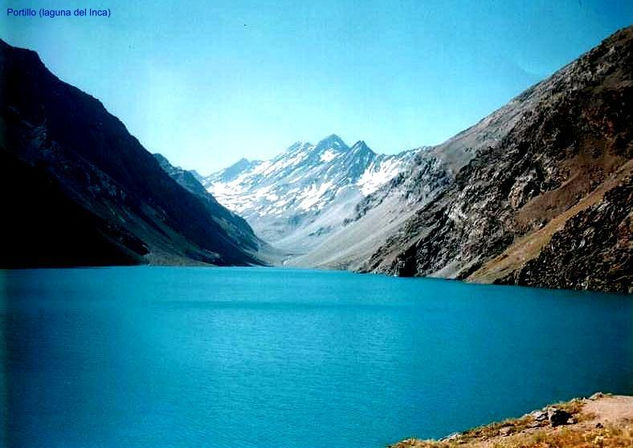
x=558 y=417
x=450 y=437
x=597 y=396
x=539 y=416
x=407 y=442
x=506 y=431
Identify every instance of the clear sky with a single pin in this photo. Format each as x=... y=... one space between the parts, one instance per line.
x=207 y=82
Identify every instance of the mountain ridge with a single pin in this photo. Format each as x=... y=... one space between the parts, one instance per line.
x=513 y=202
x=306 y=192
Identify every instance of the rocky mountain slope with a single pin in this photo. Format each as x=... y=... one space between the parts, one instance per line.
x=78 y=189
x=538 y=193
x=299 y=198
x=382 y=213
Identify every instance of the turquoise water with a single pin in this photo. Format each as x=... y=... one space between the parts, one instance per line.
x=219 y=357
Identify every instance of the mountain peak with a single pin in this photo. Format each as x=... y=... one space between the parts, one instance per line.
x=332 y=141
x=233 y=171
x=298 y=146
x=161 y=158
x=361 y=146
x=241 y=162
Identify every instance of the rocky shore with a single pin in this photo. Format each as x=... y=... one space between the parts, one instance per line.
x=601 y=420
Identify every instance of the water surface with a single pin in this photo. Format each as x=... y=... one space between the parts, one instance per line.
x=223 y=357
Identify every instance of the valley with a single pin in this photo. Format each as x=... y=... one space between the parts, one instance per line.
x=538 y=193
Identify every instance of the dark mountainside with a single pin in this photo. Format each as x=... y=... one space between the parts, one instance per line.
x=78 y=189
x=550 y=204
x=184 y=178
x=235 y=225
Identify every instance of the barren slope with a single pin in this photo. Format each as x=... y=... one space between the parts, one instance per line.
x=566 y=158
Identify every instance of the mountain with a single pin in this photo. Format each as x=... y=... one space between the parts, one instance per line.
x=230 y=173
x=541 y=191
x=383 y=213
x=185 y=178
x=299 y=198
x=78 y=189
x=234 y=225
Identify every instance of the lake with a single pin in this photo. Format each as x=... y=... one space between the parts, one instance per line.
x=265 y=357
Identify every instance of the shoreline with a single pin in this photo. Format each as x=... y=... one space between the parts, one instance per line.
x=602 y=420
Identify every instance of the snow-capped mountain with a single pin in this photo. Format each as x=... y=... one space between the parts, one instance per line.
x=301 y=196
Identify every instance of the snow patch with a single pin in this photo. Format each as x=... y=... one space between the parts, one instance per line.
x=312 y=195
x=328 y=156
x=378 y=174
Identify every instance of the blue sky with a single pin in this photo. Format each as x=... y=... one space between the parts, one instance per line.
x=208 y=82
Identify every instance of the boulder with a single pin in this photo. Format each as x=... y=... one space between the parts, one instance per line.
x=558 y=417
x=539 y=416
